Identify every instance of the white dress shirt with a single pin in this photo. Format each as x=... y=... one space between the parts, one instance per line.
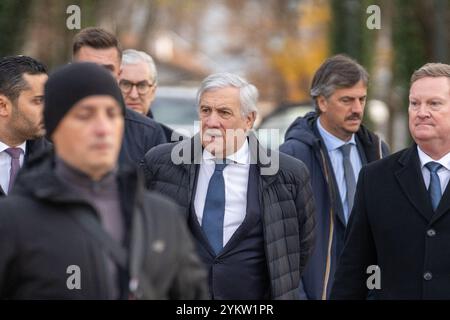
x=235 y=176
x=443 y=173
x=5 y=164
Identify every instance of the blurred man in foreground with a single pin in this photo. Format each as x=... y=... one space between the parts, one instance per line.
x=79 y=227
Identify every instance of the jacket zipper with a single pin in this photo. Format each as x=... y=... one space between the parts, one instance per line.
x=331 y=234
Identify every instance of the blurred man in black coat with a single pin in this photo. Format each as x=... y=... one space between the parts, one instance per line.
x=76 y=225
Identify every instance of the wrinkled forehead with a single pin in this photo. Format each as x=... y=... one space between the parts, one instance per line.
x=215 y=96
x=430 y=87
x=138 y=71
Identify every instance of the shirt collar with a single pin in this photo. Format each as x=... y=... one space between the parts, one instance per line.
x=241 y=156
x=22 y=146
x=332 y=142
x=424 y=159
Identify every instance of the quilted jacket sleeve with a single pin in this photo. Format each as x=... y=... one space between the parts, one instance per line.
x=306 y=214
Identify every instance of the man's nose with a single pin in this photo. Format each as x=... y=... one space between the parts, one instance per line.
x=423 y=111
x=103 y=124
x=358 y=106
x=134 y=92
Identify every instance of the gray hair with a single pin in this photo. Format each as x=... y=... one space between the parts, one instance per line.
x=247 y=92
x=131 y=56
x=431 y=70
x=336 y=72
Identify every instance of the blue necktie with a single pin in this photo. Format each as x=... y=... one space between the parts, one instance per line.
x=434 y=190
x=214 y=211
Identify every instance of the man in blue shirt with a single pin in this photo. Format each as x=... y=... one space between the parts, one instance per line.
x=334 y=146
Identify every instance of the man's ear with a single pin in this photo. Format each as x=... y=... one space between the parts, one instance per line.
x=322 y=103
x=250 y=119
x=5 y=106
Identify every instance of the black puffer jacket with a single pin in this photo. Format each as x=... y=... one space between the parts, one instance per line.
x=285 y=197
x=40 y=238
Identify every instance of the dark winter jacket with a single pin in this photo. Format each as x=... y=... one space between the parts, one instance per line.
x=303 y=141
x=141 y=134
x=285 y=199
x=41 y=240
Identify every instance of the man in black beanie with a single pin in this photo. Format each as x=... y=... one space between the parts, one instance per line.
x=78 y=227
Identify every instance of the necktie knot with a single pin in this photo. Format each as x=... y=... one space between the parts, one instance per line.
x=433 y=167
x=220 y=165
x=14 y=152
x=345 y=149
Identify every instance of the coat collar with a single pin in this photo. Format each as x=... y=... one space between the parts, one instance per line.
x=260 y=156
x=411 y=182
x=39 y=180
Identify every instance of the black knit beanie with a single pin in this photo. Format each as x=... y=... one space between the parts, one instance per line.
x=70 y=84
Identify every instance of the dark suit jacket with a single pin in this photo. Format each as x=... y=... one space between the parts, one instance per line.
x=34 y=148
x=392 y=225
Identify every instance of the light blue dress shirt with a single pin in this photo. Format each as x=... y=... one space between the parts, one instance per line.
x=333 y=144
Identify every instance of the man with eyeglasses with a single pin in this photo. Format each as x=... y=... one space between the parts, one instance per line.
x=138 y=82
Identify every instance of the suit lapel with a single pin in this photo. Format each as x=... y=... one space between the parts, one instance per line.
x=193 y=167
x=411 y=182
x=197 y=230
x=329 y=175
x=444 y=205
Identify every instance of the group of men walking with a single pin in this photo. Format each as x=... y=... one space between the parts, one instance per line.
x=99 y=202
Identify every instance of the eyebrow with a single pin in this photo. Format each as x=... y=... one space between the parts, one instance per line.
x=218 y=108
x=352 y=97
x=427 y=98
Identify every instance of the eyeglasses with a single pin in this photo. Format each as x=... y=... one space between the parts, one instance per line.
x=142 y=87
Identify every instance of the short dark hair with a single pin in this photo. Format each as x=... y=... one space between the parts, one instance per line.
x=96 y=38
x=12 y=68
x=339 y=71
